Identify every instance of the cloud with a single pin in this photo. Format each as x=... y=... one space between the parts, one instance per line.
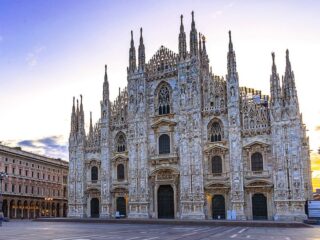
x=33 y=57
x=221 y=11
x=229 y=5
x=317 y=128
x=52 y=146
x=217 y=13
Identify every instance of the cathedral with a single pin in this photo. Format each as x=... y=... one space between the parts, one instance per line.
x=181 y=142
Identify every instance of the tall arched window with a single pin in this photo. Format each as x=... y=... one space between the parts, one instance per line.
x=164 y=144
x=216 y=162
x=121 y=143
x=120 y=172
x=256 y=162
x=215 y=132
x=164 y=100
x=94 y=174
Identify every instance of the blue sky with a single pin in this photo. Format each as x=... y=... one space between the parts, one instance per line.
x=51 y=51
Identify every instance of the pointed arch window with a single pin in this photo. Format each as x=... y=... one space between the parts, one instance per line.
x=94 y=174
x=120 y=172
x=164 y=100
x=121 y=143
x=216 y=164
x=256 y=162
x=215 y=132
x=164 y=144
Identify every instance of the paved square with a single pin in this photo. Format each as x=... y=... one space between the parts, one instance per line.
x=25 y=230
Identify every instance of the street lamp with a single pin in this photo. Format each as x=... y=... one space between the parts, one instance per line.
x=3 y=175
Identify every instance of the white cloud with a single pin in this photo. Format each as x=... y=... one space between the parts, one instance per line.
x=217 y=13
x=33 y=57
x=51 y=146
x=229 y=5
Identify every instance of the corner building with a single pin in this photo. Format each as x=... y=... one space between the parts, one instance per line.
x=35 y=186
x=180 y=142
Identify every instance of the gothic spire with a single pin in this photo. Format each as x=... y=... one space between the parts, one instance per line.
x=105 y=94
x=288 y=64
x=275 y=90
x=204 y=55
x=200 y=47
x=132 y=55
x=91 y=127
x=232 y=65
x=81 y=117
x=230 y=42
x=193 y=38
x=77 y=108
x=204 y=50
x=289 y=86
x=73 y=118
x=142 y=55
x=182 y=41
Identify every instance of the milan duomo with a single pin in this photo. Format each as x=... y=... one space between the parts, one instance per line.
x=181 y=142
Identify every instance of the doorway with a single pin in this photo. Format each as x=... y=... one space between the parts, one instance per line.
x=259 y=207
x=94 y=207
x=121 y=206
x=165 y=202
x=218 y=207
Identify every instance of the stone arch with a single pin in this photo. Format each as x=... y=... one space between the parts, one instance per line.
x=12 y=209
x=25 y=209
x=65 y=209
x=32 y=210
x=43 y=209
x=58 y=210
x=5 y=207
x=259 y=183
x=53 y=209
x=37 y=214
x=19 y=209
x=173 y=170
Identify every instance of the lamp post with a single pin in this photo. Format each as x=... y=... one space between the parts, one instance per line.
x=2 y=176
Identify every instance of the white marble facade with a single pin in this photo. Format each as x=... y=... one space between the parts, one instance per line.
x=180 y=142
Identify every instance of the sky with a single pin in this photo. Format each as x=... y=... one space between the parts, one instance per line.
x=53 y=50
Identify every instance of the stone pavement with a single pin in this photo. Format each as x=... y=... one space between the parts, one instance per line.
x=31 y=230
x=247 y=223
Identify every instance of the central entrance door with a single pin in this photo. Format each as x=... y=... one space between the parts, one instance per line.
x=165 y=202
x=218 y=207
x=121 y=206
x=259 y=207
x=94 y=207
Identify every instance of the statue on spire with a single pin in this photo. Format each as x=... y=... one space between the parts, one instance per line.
x=142 y=55
x=132 y=55
x=182 y=41
x=193 y=38
x=105 y=94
